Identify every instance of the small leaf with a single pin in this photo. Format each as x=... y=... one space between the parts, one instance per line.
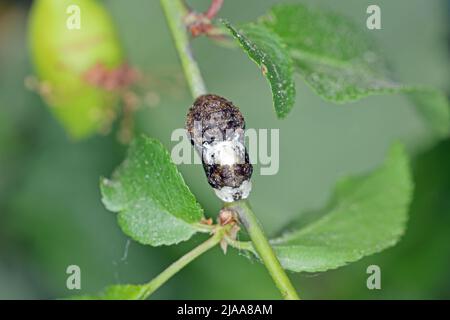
x=366 y=215
x=267 y=50
x=116 y=292
x=154 y=204
x=340 y=63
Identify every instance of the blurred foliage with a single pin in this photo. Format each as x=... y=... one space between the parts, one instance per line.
x=417 y=268
x=63 y=58
x=51 y=215
x=366 y=215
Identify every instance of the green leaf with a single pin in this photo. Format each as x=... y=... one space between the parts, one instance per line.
x=267 y=50
x=340 y=63
x=116 y=292
x=434 y=107
x=154 y=204
x=366 y=215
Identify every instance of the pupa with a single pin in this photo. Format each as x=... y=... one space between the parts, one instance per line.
x=216 y=129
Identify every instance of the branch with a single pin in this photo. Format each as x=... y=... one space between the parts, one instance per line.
x=264 y=250
x=214 y=8
x=175 y=11
x=164 y=276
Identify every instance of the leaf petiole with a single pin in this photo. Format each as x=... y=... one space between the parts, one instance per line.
x=240 y=245
x=164 y=276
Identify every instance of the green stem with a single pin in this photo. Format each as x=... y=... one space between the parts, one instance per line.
x=241 y=245
x=159 y=280
x=264 y=250
x=175 y=12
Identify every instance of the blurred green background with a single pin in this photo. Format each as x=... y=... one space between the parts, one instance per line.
x=50 y=210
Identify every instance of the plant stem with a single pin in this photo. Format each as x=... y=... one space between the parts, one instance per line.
x=175 y=11
x=264 y=250
x=241 y=245
x=159 y=280
x=214 y=8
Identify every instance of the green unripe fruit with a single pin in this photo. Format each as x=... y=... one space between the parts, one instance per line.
x=63 y=52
